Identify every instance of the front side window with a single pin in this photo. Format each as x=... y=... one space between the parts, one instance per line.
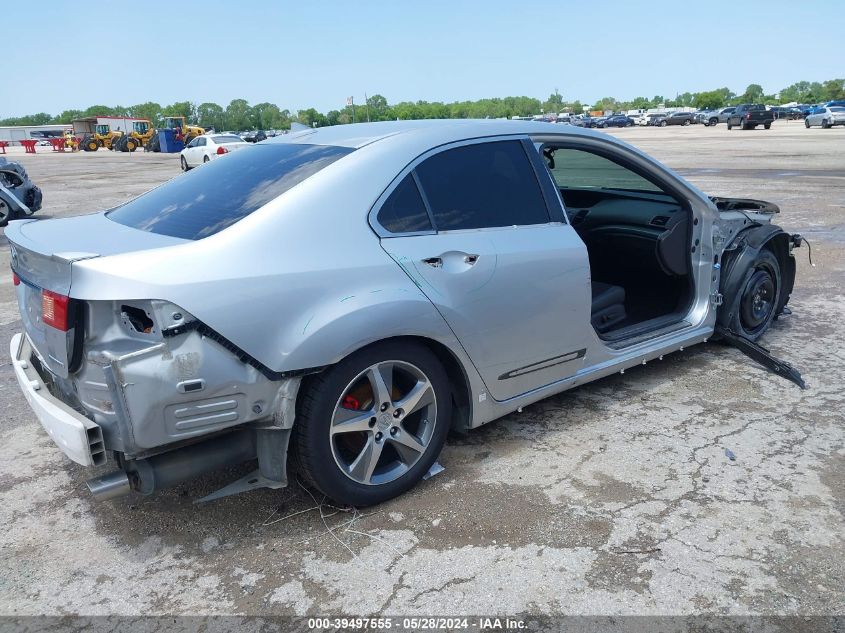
x=577 y=169
x=482 y=185
x=205 y=201
x=404 y=210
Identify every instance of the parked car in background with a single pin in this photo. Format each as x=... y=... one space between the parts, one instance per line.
x=340 y=293
x=203 y=149
x=617 y=120
x=749 y=115
x=19 y=196
x=826 y=117
x=702 y=116
x=840 y=102
x=653 y=120
x=677 y=118
x=784 y=113
x=584 y=121
x=720 y=116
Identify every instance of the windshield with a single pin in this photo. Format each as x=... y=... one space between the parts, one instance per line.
x=205 y=201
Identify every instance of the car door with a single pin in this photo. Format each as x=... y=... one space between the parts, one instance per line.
x=481 y=233
x=190 y=152
x=200 y=150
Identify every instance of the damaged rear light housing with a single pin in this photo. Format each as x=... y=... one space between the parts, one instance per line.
x=222 y=150
x=54 y=309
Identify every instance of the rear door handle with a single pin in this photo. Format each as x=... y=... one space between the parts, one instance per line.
x=470 y=259
x=434 y=262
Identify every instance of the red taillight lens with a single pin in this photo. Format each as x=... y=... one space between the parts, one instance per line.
x=222 y=150
x=15 y=279
x=54 y=309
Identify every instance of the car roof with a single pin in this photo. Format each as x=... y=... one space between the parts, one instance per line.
x=358 y=135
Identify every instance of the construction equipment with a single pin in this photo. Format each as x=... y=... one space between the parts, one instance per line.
x=182 y=132
x=178 y=123
x=101 y=136
x=142 y=132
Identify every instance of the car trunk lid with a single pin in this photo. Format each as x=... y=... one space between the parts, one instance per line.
x=43 y=253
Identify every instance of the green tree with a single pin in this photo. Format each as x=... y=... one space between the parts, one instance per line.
x=149 y=110
x=238 y=115
x=182 y=108
x=210 y=115
x=709 y=100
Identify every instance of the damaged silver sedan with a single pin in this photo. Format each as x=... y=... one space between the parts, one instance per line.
x=346 y=296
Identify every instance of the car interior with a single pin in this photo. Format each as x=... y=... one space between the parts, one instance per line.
x=637 y=237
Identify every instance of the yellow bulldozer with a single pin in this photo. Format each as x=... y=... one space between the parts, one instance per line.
x=142 y=132
x=101 y=136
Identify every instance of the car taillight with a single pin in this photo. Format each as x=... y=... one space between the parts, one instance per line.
x=54 y=309
x=15 y=279
x=222 y=150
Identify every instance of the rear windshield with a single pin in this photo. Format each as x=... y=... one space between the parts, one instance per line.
x=231 y=138
x=215 y=196
x=837 y=109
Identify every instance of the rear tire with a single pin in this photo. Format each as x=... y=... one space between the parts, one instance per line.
x=663 y=124
x=825 y=125
x=767 y=126
x=714 y=121
x=759 y=297
x=806 y=124
x=686 y=122
x=5 y=213
x=730 y=127
x=370 y=460
x=184 y=164
x=205 y=158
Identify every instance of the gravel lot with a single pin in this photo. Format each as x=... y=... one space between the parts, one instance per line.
x=614 y=498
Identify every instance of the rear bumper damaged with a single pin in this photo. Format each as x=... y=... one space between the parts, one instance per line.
x=171 y=406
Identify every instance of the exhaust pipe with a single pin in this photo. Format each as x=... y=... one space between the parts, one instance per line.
x=115 y=484
x=174 y=467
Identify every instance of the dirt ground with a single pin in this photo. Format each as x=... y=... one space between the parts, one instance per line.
x=614 y=498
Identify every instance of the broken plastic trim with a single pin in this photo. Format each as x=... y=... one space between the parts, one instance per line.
x=240 y=354
x=762 y=356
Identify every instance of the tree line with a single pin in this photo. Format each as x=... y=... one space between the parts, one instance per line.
x=240 y=115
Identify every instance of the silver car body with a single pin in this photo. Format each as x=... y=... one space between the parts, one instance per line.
x=311 y=277
x=826 y=117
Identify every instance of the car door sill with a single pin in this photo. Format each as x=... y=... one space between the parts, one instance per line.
x=636 y=339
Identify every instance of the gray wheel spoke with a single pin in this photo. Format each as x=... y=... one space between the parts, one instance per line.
x=408 y=447
x=364 y=465
x=381 y=380
x=347 y=421
x=420 y=395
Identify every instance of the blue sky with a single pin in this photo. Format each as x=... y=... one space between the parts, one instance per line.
x=315 y=54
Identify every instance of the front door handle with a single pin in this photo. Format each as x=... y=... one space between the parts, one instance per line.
x=434 y=262
x=470 y=259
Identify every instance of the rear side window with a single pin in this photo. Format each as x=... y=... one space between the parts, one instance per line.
x=404 y=211
x=208 y=200
x=482 y=185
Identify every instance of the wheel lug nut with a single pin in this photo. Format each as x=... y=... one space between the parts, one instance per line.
x=378 y=437
x=397 y=413
x=384 y=406
x=393 y=430
x=372 y=422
